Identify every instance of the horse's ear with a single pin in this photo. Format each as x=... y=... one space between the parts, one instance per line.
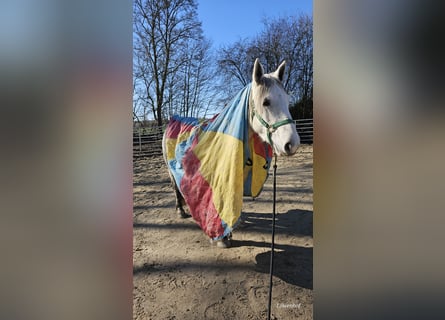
x=257 y=71
x=279 y=73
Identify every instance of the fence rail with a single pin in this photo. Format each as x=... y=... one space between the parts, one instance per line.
x=147 y=141
x=305 y=129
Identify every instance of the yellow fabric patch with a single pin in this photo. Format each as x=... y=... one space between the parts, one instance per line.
x=257 y=169
x=221 y=158
x=259 y=174
x=171 y=144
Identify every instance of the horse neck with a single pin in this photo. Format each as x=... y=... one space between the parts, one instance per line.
x=250 y=107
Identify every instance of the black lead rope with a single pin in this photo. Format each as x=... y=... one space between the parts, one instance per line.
x=272 y=247
x=271 y=129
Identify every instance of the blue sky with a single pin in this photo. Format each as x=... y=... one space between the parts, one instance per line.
x=226 y=21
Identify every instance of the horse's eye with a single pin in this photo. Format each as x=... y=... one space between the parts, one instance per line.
x=266 y=102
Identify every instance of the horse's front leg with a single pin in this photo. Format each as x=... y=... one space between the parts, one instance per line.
x=224 y=243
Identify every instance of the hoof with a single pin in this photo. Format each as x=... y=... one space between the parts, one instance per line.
x=223 y=243
x=182 y=213
x=242 y=224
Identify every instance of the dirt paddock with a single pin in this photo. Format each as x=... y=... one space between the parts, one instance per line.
x=177 y=274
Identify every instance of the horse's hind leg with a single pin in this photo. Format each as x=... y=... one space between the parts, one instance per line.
x=179 y=202
x=179 y=198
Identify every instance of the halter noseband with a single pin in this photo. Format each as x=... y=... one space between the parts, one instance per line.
x=270 y=128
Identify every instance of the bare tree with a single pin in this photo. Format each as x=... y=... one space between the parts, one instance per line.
x=161 y=27
x=285 y=38
x=195 y=79
x=303 y=69
x=235 y=65
x=173 y=63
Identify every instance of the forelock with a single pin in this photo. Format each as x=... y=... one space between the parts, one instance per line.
x=268 y=82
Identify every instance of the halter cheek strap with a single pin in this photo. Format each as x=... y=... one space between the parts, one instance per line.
x=271 y=128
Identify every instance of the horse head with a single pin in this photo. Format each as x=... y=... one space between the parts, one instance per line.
x=269 y=110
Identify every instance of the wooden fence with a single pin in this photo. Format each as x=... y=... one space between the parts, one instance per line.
x=148 y=141
x=305 y=129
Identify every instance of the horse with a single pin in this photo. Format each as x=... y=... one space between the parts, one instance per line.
x=268 y=123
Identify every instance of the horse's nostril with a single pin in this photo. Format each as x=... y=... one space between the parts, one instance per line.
x=287 y=147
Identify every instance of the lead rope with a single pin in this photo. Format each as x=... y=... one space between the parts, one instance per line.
x=272 y=247
x=271 y=129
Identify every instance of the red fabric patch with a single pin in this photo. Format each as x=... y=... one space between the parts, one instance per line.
x=199 y=197
x=176 y=127
x=260 y=146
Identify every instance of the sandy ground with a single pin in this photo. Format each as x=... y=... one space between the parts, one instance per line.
x=177 y=274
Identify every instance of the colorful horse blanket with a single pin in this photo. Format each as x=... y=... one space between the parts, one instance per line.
x=216 y=162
